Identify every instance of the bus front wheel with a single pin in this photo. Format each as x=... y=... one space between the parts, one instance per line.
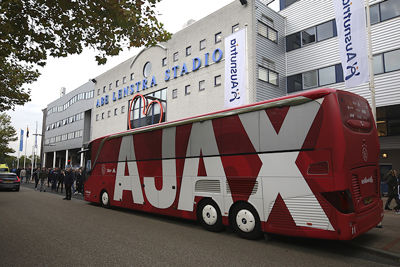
x=246 y=221
x=209 y=215
x=105 y=199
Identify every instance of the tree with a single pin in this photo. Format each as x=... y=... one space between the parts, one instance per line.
x=31 y=31
x=7 y=134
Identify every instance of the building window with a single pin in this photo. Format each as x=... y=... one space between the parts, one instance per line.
x=188 y=51
x=388 y=122
x=287 y=3
x=294 y=83
x=175 y=57
x=116 y=83
x=217 y=80
x=98 y=91
x=174 y=93
x=153 y=115
x=218 y=37
x=164 y=62
x=132 y=76
x=374 y=14
x=389 y=9
x=315 y=78
x=267 y=75
x=202 y=44
x=122 y=109
x=235 y=28
x=124 y=80
x=392 y=60
x=102 y=116
x=109 y=113
x=267 y=32
x=326 y=75
x=293 y=41
x=263 y=74
x=378 y=64
x=308 y=36
x=110 y=86
x=326 y=30
x=202 y=85
x=104 y=89
x=187 y=90
x=310 y=79
x=311 y=35
x=115 y=112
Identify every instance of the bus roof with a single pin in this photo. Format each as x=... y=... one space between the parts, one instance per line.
x=289 y=100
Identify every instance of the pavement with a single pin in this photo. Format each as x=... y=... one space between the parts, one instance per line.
x=383 y=241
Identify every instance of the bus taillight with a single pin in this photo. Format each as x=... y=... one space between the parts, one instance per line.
x=341 y=200
x=355 y=112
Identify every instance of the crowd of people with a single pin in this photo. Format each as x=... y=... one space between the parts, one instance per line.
x=54 y=179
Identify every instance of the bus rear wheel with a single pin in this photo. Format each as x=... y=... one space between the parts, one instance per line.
x=209 y=216
x=246 y=221
x=105 y=199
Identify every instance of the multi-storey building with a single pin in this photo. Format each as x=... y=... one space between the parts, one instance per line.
x=66 y=126
x=286 y=51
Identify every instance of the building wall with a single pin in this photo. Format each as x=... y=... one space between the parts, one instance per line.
x=266 y=50
x=197 y=102
x=76 y=108
x=385 y=37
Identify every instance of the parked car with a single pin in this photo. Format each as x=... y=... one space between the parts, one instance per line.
x=4 y=168
x=9 y=180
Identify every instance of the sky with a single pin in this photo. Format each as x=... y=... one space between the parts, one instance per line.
x=75 y=70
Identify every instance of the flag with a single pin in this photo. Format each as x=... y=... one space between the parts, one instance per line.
x=350 y=22
x=21 y=141
x=235 y=69
x=27 y=132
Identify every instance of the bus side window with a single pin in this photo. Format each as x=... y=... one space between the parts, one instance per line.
x=88 y=166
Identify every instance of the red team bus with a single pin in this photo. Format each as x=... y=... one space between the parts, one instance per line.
x=301 y=165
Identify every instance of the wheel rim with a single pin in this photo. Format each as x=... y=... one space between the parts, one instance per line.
x=104 y=198
x=209 y=214
x=245 y=221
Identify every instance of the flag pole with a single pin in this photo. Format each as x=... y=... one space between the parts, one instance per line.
x=26 y=144
x=370 y=62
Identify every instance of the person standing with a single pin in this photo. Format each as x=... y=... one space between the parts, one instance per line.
x=42 y=177
x=391 y=180
x=36 y=177
x=23 y=175
x=60 y=180
x=68 y=180
x=79 y=182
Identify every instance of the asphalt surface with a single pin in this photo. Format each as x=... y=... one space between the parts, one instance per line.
x=42 y=229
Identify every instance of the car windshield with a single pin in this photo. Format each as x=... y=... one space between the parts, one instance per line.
x=3 y=170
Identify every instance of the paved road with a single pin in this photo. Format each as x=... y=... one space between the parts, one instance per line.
x=41 y=229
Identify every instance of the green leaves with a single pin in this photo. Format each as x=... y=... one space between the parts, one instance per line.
x=7 y=134
x=30 y=31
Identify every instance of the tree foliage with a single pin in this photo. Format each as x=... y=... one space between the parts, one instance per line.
x=33 y=30
x=7 y=135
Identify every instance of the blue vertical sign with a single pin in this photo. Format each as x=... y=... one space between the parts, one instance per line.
x=21 y=141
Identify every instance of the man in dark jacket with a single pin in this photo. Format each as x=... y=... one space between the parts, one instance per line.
x=68 y=180
x=391 y=180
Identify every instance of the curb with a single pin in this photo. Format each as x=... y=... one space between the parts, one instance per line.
x=379 y=252
x=32 y=186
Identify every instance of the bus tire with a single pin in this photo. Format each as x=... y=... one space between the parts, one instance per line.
x=245 y=221
x=209 y=216
x=105 y=199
